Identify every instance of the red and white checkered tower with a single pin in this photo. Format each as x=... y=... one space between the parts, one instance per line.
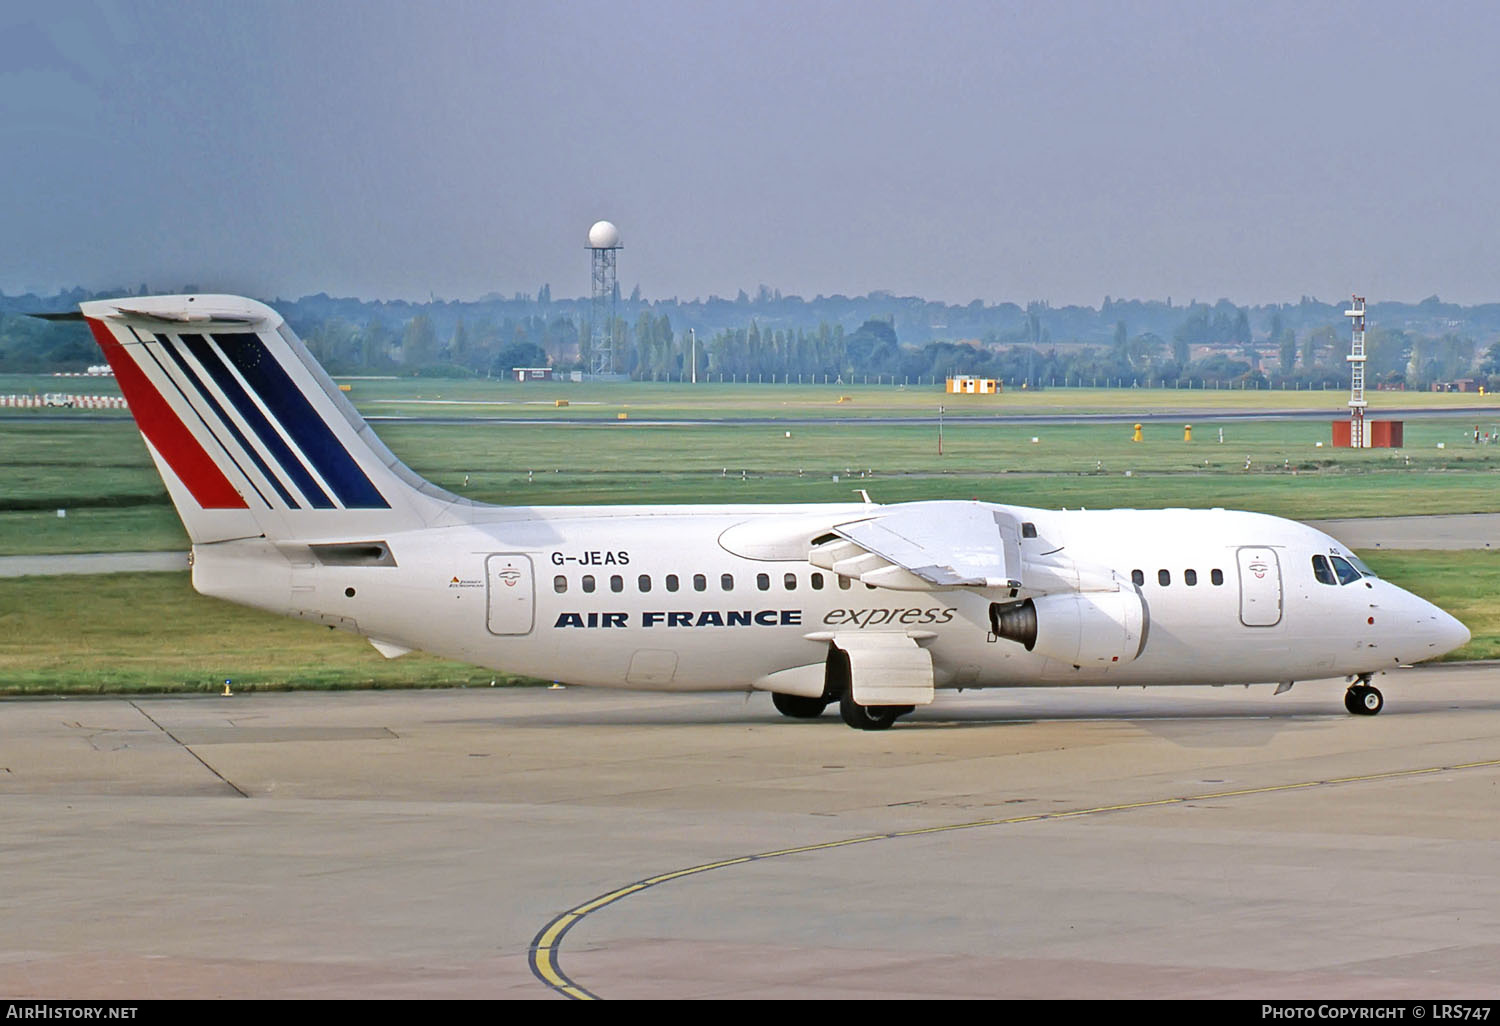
x=1358 y=437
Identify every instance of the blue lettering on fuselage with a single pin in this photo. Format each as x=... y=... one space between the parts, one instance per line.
x=592 y=620
x=684 y=618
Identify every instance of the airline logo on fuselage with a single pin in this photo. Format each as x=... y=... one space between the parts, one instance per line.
x=856 y=618
x=908 y=617
x=683 y=618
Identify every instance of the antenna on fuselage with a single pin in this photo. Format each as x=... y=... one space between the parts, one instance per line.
x=1356 y=358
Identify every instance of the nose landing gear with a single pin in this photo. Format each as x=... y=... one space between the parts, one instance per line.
x=1362 y=699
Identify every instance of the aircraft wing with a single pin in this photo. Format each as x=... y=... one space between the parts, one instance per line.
x=923 y=546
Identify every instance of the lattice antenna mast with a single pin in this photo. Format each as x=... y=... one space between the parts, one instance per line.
x=1358 y=439
x=604 y=245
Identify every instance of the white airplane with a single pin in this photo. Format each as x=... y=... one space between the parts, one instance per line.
x=294 y=506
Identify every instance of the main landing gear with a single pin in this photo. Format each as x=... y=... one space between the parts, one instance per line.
x=839 y=688
x=1363 y=700
x=798 y=707
x=860 y=717
x=869 y=717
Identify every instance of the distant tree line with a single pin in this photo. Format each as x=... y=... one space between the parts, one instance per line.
x=774 y=337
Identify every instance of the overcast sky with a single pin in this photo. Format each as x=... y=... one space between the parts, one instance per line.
x=955 y=150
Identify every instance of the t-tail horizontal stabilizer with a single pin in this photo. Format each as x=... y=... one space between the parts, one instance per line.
x=250 y=435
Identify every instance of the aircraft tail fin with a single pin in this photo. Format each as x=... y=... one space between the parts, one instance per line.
x=251 y=436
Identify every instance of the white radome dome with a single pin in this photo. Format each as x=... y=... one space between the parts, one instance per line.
x=604 y=235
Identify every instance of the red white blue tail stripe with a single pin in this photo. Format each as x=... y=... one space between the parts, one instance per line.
x=239 y=417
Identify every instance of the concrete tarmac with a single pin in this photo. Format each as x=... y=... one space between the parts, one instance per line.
x=1049 y=843
x=1444 y=531
x=91 y=563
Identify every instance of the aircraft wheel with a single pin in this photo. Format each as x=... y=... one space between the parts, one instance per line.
x=798 y=707
x=1364 y=700
x=868 y=717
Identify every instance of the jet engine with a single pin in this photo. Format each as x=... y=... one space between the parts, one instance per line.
x=1079 y=628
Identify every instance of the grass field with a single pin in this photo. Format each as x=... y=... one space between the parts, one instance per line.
x=414 y=397
x=98 y=470
x=90 y=635
x=151 y=632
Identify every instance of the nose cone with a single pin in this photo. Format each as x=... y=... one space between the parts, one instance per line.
x=1437 y=633
x=1451 y=633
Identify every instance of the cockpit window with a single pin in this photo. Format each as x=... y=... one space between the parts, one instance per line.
x=1322 y=571
x=1360 y=566
x=1345 y=570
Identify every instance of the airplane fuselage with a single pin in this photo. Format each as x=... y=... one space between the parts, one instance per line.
x=668 y=598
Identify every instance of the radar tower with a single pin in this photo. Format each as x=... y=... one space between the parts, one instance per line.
x=604 y=243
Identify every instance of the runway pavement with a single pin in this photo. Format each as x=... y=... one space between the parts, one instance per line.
x=1456 y=531
x=91 y=563
x=1048 y=843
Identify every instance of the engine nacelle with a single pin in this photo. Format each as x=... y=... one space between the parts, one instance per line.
x=1078 y=628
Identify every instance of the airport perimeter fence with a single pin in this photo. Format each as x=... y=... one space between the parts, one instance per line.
x=62 y=401
x=1027 y=383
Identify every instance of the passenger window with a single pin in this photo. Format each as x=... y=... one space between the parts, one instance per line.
x=616 y=582
x=1217 y=576
x=700 y=583
x=844 y=583
x=1190 y=577
x=817 y=582
x=790 y=580
x=1321 y=570
x=588 y=583
x=1345 y=570
x=560 y=584
x=1137 y=578
x=643 y=582
x=671 y=582
x=726 y=582
x=1164 y=577
x=763 y=582
x=1028 y=530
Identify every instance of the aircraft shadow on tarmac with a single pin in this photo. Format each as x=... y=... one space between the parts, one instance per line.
x=1254 y=719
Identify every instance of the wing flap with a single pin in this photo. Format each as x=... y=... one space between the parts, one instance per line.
x=928 y=545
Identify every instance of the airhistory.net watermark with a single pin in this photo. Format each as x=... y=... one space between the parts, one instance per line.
x=51 y=1010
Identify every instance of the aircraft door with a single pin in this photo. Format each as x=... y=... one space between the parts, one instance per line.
x=511 y=592
x=1260 y=587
